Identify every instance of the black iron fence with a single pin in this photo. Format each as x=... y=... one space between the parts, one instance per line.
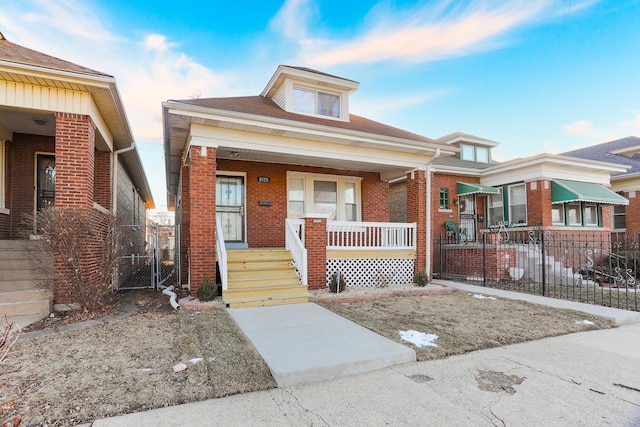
x=596 y=267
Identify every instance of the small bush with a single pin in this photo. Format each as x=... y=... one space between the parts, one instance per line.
x=334 y=286
x=208 y=290
x=421 y=278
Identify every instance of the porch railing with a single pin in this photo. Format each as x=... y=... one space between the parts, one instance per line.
x=295 y=245
x=371 y=235
x=221 y=252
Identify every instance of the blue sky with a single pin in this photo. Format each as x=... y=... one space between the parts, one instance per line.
x=543 y=75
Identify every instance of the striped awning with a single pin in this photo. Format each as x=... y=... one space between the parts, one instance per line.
x=564 y=191
x=464 y=188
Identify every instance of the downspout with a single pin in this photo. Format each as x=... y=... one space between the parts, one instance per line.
x=427 y=268
x=114 y=165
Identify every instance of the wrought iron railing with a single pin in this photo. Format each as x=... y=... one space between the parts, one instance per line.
x=595 y=267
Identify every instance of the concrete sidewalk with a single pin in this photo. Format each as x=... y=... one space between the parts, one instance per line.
x=303 y=343
x=586 y=379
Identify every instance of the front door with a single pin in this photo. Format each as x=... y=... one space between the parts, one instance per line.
x=45 y=181
x=230 y=207
x=467 y=205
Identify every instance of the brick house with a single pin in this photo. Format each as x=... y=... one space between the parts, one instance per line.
x=293 y=168
x=625 y=152
x=64 y=141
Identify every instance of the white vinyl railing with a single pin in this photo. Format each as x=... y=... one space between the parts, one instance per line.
x=371 y=235
x=221 y=252
x=294 y=236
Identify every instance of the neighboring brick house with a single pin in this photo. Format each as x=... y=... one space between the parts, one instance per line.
x=296 y=153
x=552 y=192
x=64 y=141
x=625 y=152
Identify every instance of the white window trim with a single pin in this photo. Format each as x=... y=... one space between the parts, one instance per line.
x=584 y=218
x=563 y=213
x=526 y=207
x=579 y=222
x=342 y=114
x=309 y=179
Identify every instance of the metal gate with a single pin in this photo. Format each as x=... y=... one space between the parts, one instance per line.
x=148 y=258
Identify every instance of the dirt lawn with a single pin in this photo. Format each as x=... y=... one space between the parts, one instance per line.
x=65 y=378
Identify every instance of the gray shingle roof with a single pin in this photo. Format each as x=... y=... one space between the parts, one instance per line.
x=603 y=152
x=261 y=106
x=17 y=54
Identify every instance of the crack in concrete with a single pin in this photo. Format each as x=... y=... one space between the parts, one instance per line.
x=291 y=402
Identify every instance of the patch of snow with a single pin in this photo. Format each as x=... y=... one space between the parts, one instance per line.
x=419 y=339
x=584 y=322
x=480 y=296
x=145 y=370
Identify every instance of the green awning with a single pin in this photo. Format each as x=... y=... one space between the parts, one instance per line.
x=563 y=191
x=464 y=188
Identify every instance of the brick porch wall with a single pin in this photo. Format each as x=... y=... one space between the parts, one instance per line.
x=416 y=212
x=202 y=193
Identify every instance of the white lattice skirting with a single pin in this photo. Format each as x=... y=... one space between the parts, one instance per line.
x=372 y=272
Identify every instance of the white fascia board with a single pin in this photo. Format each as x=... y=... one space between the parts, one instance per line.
x=220 y=137
x=282 y=72
x=536 y=172
x=627 y=183
x=551 y=161
x=355 y=137
x=454 y=170
x=53 y=74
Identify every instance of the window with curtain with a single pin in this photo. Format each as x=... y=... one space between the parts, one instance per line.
x=518 y=204
x=309 y=101
x=337 y=196
x=495 y=211
x=296 y=197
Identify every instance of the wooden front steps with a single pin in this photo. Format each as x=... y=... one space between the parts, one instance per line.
x=20 y=294
x=261 y=277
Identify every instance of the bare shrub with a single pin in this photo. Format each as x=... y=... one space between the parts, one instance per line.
x=81 y=245
x=8 y=407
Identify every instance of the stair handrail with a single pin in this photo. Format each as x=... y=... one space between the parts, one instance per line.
x=221 y=252
x=294 y=229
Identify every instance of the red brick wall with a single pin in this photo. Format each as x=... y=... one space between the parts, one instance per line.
x=102 y=179
x=75 y=145
x=185 y=224
x=20 y=194
x=398 y=202
x=469 y=261
x=416 y=212
x=203 y=216
x=539 y=203
x=315 y=235
x=265 y=224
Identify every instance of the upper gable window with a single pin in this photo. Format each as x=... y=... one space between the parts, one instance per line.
x=474 y=154
x=307 y=101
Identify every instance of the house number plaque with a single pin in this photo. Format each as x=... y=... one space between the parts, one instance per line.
x=264 y=179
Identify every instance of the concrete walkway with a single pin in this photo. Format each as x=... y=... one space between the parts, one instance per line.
x=303 y=343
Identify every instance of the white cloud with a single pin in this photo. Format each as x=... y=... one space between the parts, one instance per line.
x=427 y=33
x=581 y=128
x=379 y=108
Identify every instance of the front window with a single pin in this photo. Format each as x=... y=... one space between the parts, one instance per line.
x=619 y=216
x=308 y=101
x=336 y=196
x=574 y=214
x=591 y=215
x=557 y=214
x=444 y=198
x=518 y=204
x=495 y=209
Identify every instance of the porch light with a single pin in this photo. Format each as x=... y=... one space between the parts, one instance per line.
x=40 y=120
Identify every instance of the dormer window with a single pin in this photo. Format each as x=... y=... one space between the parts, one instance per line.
x=315 y=102
x=474 y=153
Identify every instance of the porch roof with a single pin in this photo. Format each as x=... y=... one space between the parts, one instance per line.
x=563 y=191
x=464 y=188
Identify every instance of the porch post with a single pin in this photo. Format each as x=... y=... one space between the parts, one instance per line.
x=539 y=203
x=416 y=212
x=75 y=163
x=202 y=192
x=315 y=240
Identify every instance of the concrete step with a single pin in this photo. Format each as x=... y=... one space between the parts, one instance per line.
x=17 y=263
x=18 y=274
x=22 y=303
x=252 y=255
x=261 y=302
x=20 y=285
